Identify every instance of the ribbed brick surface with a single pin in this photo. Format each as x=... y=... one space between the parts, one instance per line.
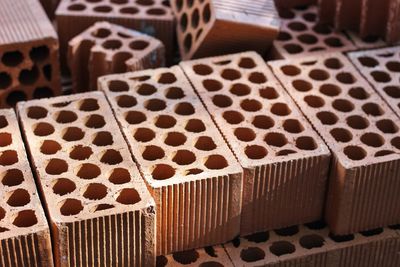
x=99 y=207
x=29 y=65
x=24 y=232
x=360 y=130
x=285 y=161
x=107 y=48
x=214 y=27
x=194 y=178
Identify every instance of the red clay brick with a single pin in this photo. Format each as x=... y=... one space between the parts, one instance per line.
x=215 y=27
x=29 y=65
x=24 y=232
x=285 y=161
x=99 y=207
x=194 y=178
x=107 y=48
x=359 y=128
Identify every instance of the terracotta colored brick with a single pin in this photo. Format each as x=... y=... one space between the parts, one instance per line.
x=360 y=130
x=107 y=48
x=301 y=35
x=28 y=53
x=193 y=177
x=209 y=256
x=285 y=161
x=150 y=17
x=374 y=15
x=99 y=207
x=294 y=3
x=313 y=245
x=214 y=27
x=393 y=22
x=24 y=232
x=327 y=11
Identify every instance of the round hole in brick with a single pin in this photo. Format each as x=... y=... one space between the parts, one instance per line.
x=357 y=122
x=76 y=7
x=343 y=105
x=63 y=186
x=70 y=207
x=184 y=157
x=263 y=122
x=174 y=93
x=393 y=66
x=212 y=85
x=119 y=176
x=80 y=152
x=395 y=142
x=61 y=104
x=126 y=101
x=39 y=53
x=355 y=152
x=392 y=91
x=383 y=153
x=381 y=76
x=102 y=207
x=341 y=135
x=316 y=225
x=222 y=101
x=72 y=134
x=193 y=171
x=36 y=112
x=284 y=36
x=252 y=254
x=118 y=86
x=188 y=42
x=184 y=109
x=333 y=63
x=156 y=11
x=155 y=104
x=240 y=89
x=43 y=129
x=247 y=63
x=368 y=61
x=372 y=109
x=257 y=78
x=293 y=126
x=387 y=126
x=280 y=248
x=358 y=93
x=19 y=198
x=290 y=70
x=161 y=261
x=195 y=126
x=145 y=2
x=101 y=33
x=329 y=89
x=5 y=80
x=202 y=69
x=255 y=152
x=186 y=257
x=2 y=214
x=341 y=238
x=165 y=121
x=119 y=2
x=103 y=139
x=314 y=101
x=25 y=218
x=302 y=85
x=29 y=76
x=95 y=121
x=139 y=45
x=311 y=241
x=167 y=78
x=308 y=39
x=50 y=147
x=251 y=105
x=112 y=44
x=95 y=191
x=285 y=152
x=230 y=74
x=111 y=157
x=216 y=162
x=135 y=117
x=12 y=58
x=103 y=9
x=322 y=29
x=306 y=143
x=175 y=139
x=297 y=26
x=333 y=42
x=8 y=157
x=5 y=139
x=65 y=116
x=205 y=143
x=152 y=153
x=319 y=75
x=144 y=135
x=3 y=122
x=346 y=78
x=293 y=48
x=260 y=237
x=88 y=171
x=245 y=134
x=56 y=166
x=162 y=172
x=233 y=117
x=183 y=22
x=268 y=93
x=195 y=18
x=15 y=96
x=129 y=10
x=372 y=139
x=12 y=177
x=373 y=232
x=280 y=109
x=206 y=13
x=276 y=139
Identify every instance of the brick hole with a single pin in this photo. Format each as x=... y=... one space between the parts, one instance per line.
x=2 y=214
x=145 y=2
x=174 y=93
x=251 y=105
x=245 y=134
x=252 y=254
x=393 y=66
x=202 y=69
x=314 y=101
x=280 y=109
x=188 y=42
x=306 y=143
x=70 y=207
x=260 y=237
x=165 y=122
x=12 y=177
x=50 y=147
x=290 y=70
x=293 y=126
x=72 y=134
x=61 y=104
x=95 y=121
x=118 y=86
x=333 y=42
x=231 y=74
x=287 y=231
x=247 y=63
x=129 y=10
x=206 y=13
x=263 y=122
x=372 y=109
x=395 y=142
x=95 y=191
x=322 y=29
x=88 y=171
x=212 y=85
x=310 y=17
x=5 y=139
x=183 y=22
x=167 y=78
x=156 y=11
x=284 y=36
x=341 y=135
x=233 y=117
x=112 y=44
x=357 y=122
x=3 y=122
x=189 y=3
x=383 y=153
x=255 y=152
x=194 y=171
x=146 y=89
x=63 y=186
x=76 y=7
x=43 y=129
x=346 y=78
x=184 y=157
x=43 y=92
x=152 y=153
x=372 y=232
x=307 y=38
x=216 y=162
x=343 y=105
x=123 y=35
x=184 y=109
x=25 y=218
x=56 y=166
x=222 y=62
x=195 y=18
x=319 y=75
x=205 y=143
x=80 y=152
x=297 y=26
x=135 y=117
x=111 y=157
x=161 y=261
x=102 y=207
x=275 y=139
x=330 y=90
x=302 y=85
x=175 y=139
x=394 y=227
x=144 y=135
x=119 y=2
x=341 y=238
x=222 y=101
x=333 y=63
x=195 y=126
x=101 y=33
x=386 y=55
x=186 y=257
x=8 y=157
x=29 y=77
x=119 y=176
x=162 y=172
x=103 y=139
x=47 y=71
x=311 y=241
x=102 y=9
x=286 y=14
x=39 y=53
x=139 y=45
x=315 y=49
x=316 y=225
x=257 y=78
x=19 y=198
x=392 y=91
x=381 y=76
x=387 y=126
x=268 y=93
x=355 y=153
x=12 y=58
x=65 y=116
x=5 y=80
x=368 y=61
x=280 y=248
x=358 y=93
x=126 y=101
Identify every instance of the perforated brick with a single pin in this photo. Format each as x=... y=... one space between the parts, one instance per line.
x=313 y=245
x=194 y=178
x=302 y=35
x=215 y=27
x=368 y=42
x=152 y=17
x=99 y=207
x=208 y=256
x=107 y=48
x=360 y=130
x=285 y=161
x=29 y=65
x=24 y=232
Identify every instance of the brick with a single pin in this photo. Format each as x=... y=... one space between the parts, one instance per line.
x=302 y=35
x=98 y=205
x=214 y=27
x=313 y=245
x=208 y=256
x=190 y=171
x=374 y=16
x=284 y=160
x=393 y=22
x=107 y=48
x=348 y=14
x=29 y=65
x=24 y=232
x=294 y=3
x=359 y=128
x=368 y=42
x=150 y=17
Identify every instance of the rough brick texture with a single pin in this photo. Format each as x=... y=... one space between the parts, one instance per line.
x=29 y=65
x=301 y=34
x=99 y=207
x=285 y=161
x=24 y=232
x=194 y=178
x=107 y=48
x=215 y=27
x=360 y=130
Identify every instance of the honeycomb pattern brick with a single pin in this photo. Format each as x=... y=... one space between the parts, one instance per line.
x=24 y=232
x=29 y=65
x=194 y=178
x=313 y=245
x=107 y=48
x=208 y=256
x=381 y=67
x=361 y=131
x=215 y=27
x=99 y=207
x=301 y=34
x=152 y=17
x=284 y=160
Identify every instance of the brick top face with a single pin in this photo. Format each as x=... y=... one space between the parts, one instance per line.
x=355 y=122
x=256 y=116
x=81 y=158
x=171 y=134
x=20 y=209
